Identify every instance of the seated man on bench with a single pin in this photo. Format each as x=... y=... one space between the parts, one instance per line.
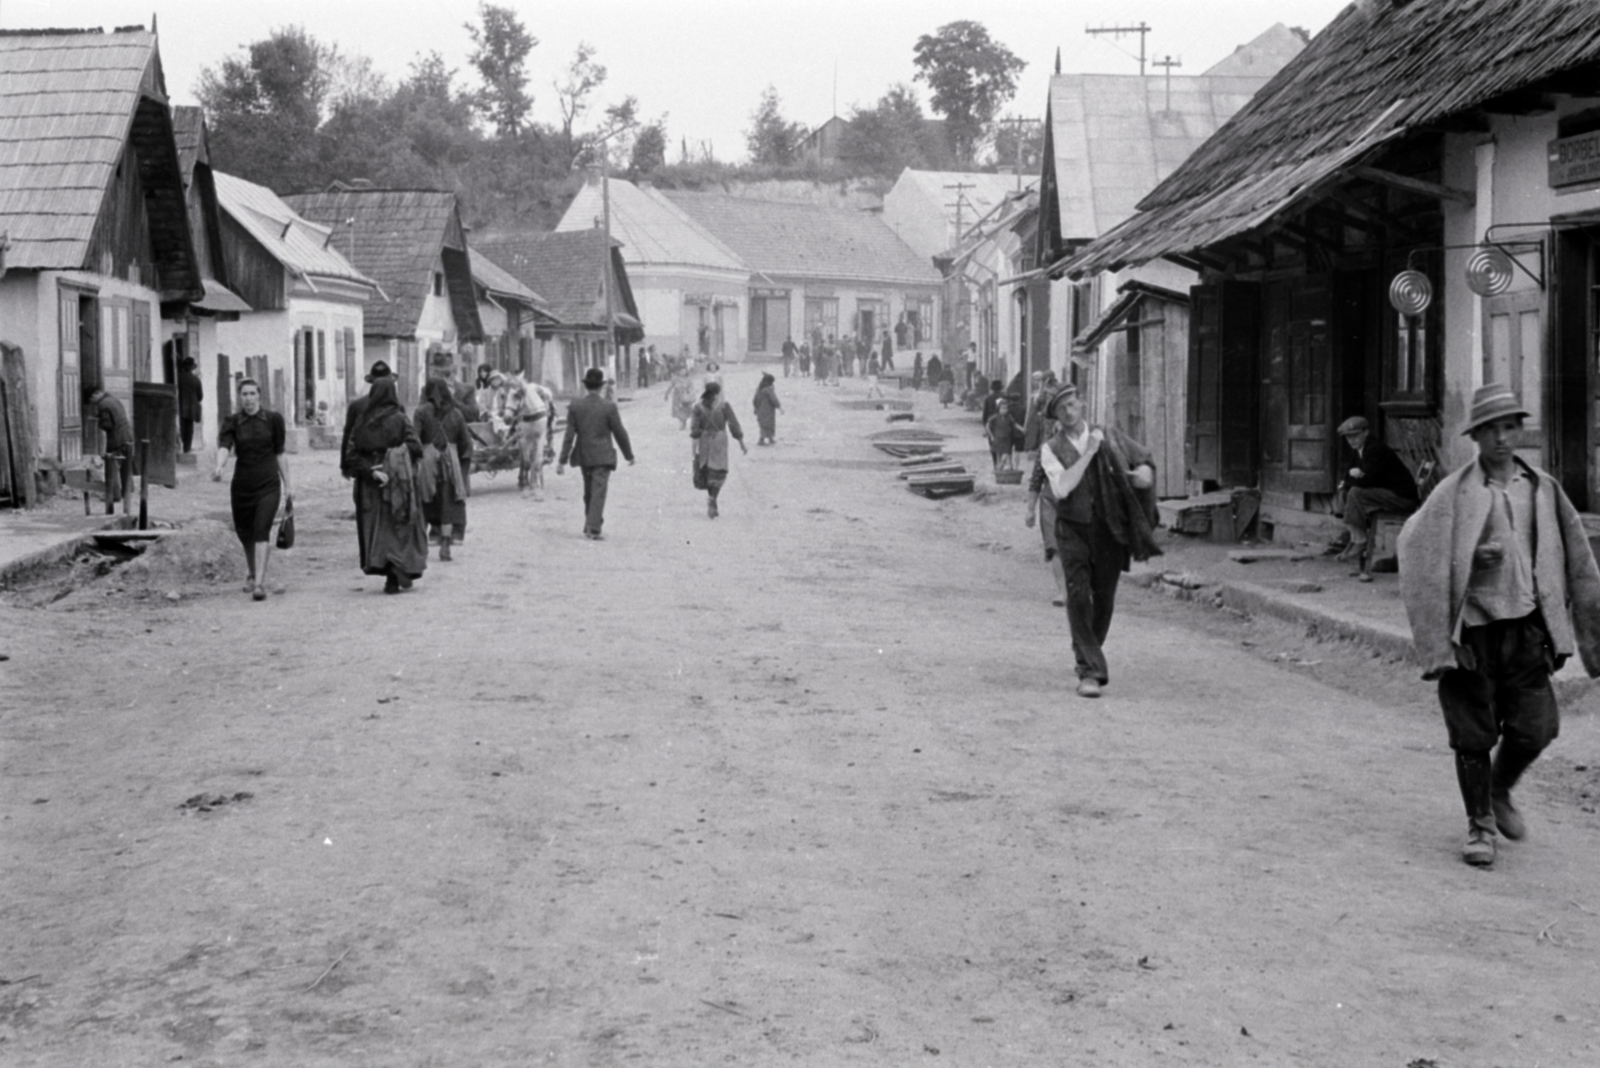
x=1377 y=481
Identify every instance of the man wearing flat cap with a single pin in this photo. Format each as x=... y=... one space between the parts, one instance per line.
x=1377 y=481
x=592 y=423
x=1500 y=587
x=1105 y=513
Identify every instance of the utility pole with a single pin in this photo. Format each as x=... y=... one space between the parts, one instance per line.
x=960 y=189
x=1118 y=31
x=607 y=347
x=1168 y=62
x=1019 y=123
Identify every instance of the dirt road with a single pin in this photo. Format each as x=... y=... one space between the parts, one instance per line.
x=806 y=784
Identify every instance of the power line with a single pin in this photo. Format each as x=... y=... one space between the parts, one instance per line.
x=1117 y=31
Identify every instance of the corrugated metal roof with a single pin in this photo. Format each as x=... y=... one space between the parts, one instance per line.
x=67 y=104
x=1376 y=73
x=501 y=282
x=653 y=230
x=807 y=240
x=399 y=235
x=300 y=245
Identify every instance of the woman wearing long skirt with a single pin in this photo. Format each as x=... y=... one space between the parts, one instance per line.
x=381 y=454
x=446 y=465
x=680 y=394
x=256 y=438
x=713 y=421
x=767 y=407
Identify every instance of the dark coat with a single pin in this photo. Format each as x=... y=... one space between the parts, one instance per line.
x=1129 y=513
x=112 y=418
x=190 y=393
x=592 y=423
x=1381 y=468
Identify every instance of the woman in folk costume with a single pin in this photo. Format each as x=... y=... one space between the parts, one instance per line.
x=446 y=465
x=1105 y=515
x=680 y=395
x=710 y=427
x=767 y=406
x=381 y=453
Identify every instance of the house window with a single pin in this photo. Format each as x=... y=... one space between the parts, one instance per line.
x=438 y=283
x=1513 y=348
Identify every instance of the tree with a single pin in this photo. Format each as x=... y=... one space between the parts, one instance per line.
x=264 y=108
x=970 y=75
x=891 y=136
x=649 y=149
x=500 y=54
x=1013 y=133
x=584 y=76
x=771 y=138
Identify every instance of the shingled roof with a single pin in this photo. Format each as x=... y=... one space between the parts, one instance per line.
x=302 y=246
x=70 y=101
x=400 y=234
x=1380 y=71
x=807 y=240
x=564 y=268
x=501 y=283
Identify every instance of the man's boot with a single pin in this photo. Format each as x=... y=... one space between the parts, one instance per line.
x=444 y=547
x=1510 y=761
x=1474 y=775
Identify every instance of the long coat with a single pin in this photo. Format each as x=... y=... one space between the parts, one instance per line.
x=710 y=428
x=766 y=405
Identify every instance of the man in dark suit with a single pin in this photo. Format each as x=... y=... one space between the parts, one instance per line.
x=592 y=423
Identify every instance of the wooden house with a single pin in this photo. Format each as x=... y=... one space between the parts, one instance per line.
x=94 y=225
x=412 y=243
x=510 y=313
x=1403 y=213
x=692 y=290
x=572 y=271
x=302 y=337
x=993 y=249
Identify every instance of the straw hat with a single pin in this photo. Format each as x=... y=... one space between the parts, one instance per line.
x=1491 y=402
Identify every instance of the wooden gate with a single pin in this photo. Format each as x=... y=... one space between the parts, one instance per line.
x=155 y=419
x=1297 y=426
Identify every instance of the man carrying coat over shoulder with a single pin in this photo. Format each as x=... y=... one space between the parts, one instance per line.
x=1501 y=588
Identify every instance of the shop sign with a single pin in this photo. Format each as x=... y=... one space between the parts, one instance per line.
x=1575 y=160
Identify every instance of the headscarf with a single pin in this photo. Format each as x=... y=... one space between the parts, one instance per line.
x=711 y=394
x=438 y=393
x=372 y=431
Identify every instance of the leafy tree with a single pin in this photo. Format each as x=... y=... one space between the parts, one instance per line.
x=500 y=54
x=771 y=138
x=891 y=136
x=1013 y=133
x=265 y=106
x=584 y=76
x=649 y=149
x=971 y=75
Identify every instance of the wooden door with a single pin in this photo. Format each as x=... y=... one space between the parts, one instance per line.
x=1297 y=430
x=1220 y=442
x=155 y=420
x=90 y=371
x=224 y=387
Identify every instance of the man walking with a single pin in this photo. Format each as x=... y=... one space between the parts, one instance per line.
x=1105 y=513
x=1500 y=587
x=592 y=423
x=534 y=427
x=191 y=391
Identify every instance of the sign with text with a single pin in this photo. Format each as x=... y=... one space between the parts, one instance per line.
x=1575 y=160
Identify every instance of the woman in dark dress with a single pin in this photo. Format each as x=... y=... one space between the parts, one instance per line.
x=767 y=406
x=255 y=437
x=442 y=429
x=381 y=454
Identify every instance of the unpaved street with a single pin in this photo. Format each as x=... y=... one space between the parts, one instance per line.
x=805 y=784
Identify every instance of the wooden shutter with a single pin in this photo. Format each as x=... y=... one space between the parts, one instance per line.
x=322 y=356
x=140 y=344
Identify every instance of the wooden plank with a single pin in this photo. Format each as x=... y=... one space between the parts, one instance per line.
x=1415 y=185
x=21 y=435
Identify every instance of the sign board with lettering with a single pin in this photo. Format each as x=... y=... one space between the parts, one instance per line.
x=1575 y=160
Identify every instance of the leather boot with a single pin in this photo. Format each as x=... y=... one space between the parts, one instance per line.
x=1510 y=761
x=444 y=547
x=1474 y=775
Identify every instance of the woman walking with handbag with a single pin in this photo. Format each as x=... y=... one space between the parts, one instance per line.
x=711 y=424
x=255 y=437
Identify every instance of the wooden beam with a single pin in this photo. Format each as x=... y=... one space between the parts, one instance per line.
x=1521 y=102
x=1396 y=224
x=1311 y=237
x=1414 y=185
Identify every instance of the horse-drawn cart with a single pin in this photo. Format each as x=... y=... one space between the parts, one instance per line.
x=495 y=450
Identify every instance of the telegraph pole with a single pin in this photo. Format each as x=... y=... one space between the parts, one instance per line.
x=960 y=189
x=1019 y=123
x=1119 y=31
x=1168 y=62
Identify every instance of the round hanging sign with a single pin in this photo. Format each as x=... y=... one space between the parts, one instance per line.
x=1411 y=293
x=1489 y=272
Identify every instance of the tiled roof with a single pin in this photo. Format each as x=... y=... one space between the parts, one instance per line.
x=302 y=246
x=500 y=282
x=807 y=241
x=69 y=102
x=653 y=230
x=564 y=268
x=399 y=235
x=1378 y=72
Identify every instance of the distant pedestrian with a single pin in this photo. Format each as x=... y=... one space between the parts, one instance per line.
x=788 y=355
x=888 y=351
x=916 y=372
x=804 y=357
x=767 y=407
x=112 y=418
x=255 y=437
x=380 y=454
x=1001 y=432
x=446 y=469
x=592 y=423
x=947 y=388
x=534 y=416
x=680 y=396
x=1500 y=587
x=710 y=428
x=191 y=391
x=903 y=336
x=935 y=371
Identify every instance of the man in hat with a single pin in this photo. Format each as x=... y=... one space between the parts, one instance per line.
x=352 y=413
x=592 y=423
x=1105 y=513
x=1377 y=481
x=1500 y=587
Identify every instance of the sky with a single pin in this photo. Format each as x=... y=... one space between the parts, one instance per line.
x=704 y=63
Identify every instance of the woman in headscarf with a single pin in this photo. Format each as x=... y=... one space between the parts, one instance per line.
x=712 y=422
x=446 y=464
x=381 y=453
x=766 y=403
x=680 y=394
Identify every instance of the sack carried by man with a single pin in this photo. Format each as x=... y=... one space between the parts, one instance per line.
x=286 y=528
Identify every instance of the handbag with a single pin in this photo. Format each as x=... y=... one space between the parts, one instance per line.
x=699 y=476
x=286 y=528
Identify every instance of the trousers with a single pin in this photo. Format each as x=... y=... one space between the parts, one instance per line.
x=595 y=482
x=1506 y=693
x=1363 y=502
x=1093 y=561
